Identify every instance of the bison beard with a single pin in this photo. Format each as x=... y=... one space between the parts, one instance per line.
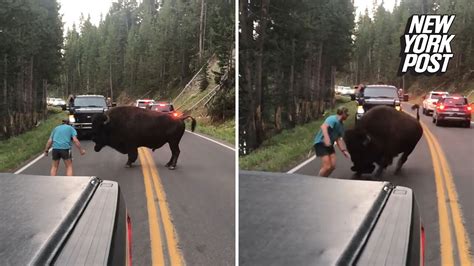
x=380 y=135
x=126 y=128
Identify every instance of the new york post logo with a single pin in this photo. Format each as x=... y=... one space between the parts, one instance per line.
x=426 y=45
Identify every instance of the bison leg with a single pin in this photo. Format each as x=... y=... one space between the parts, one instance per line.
x=402 y=160
x=132 y=157
x=386 y=161
x=174 y=155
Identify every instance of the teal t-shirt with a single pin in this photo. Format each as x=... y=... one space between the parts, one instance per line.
x=335 y=130
x=62 y=137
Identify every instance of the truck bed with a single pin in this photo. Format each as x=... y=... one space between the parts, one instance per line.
x=305 y=220
x=61 y=220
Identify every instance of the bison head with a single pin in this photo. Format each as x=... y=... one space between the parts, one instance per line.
x=99 y=130
x=359 y=145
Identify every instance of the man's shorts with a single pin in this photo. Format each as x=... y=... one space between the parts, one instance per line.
x=62 y=154
x=323 y=150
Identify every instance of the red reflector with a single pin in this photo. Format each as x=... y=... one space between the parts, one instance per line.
x=441 y=107
x=129 y=238
x=175 y=114
x=469 y=108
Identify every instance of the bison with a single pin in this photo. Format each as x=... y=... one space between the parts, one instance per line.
x=126 y=128
x=380 y=135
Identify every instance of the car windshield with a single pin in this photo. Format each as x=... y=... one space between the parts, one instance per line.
x=162 y=108
x=437 y=95
x=90 y=102
x=380 y=92
x=457 y=101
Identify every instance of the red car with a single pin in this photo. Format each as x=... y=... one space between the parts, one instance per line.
x=453 y=108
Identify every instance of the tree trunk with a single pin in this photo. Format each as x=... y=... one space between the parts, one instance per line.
x=278 y=118
x=291 y=93
x=259 y=71
x=201 y=31
x=331 y=87
x=110 y=81
x=5 y=110
x=248 y=133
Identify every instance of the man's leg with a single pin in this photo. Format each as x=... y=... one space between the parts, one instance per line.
x=325 y=166
x=68 y=164
x=54 y=167
x=332 y=157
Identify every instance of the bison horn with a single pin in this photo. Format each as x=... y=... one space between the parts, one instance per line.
x=107 y=120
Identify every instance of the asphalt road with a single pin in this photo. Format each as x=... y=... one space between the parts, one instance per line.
x=418 y=173
x=193 y=206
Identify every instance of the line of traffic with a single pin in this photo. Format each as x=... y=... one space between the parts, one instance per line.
x=153 y=183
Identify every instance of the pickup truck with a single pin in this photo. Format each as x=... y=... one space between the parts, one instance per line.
x=376 y=95
x=73 y=220
x=290 y=219
x=82 y=111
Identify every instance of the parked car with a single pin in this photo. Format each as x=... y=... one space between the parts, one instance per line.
x=56 y=102
x=73 y=220
x=430 y=100
x=453 y=109
x=82 y=111
x=164 y=107
x=144 y=103
x=290 y=219
x=376 y=95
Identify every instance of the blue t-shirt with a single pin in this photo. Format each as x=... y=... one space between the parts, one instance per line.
x=62 y=137
x=335 y=130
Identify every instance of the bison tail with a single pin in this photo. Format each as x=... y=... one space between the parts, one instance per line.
x=193 y=123
x=417 y=107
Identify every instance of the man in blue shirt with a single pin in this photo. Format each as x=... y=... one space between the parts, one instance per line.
x=332 y=130
x=61 y=140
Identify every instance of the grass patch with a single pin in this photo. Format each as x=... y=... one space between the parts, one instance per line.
x=16 y=150
x=290 y=147
x=223 y=131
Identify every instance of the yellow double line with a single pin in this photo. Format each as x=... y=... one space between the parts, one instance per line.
x=449 y=211
x=153 y=184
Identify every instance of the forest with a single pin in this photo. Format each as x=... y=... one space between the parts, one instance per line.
x=148 y=48
x=289 y=54
x=293 y=53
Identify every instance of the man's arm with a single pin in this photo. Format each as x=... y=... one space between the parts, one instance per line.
x=342 y=147
x=78 y=145
x=48 y=145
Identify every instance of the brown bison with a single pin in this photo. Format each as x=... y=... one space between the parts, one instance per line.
x=379 y=136
x=126 y=128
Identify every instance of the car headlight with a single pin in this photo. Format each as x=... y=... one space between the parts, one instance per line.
x=360 y=109
x=398 y=107
x=72 y=119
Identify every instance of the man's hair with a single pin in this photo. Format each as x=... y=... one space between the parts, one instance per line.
x=342 y=110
